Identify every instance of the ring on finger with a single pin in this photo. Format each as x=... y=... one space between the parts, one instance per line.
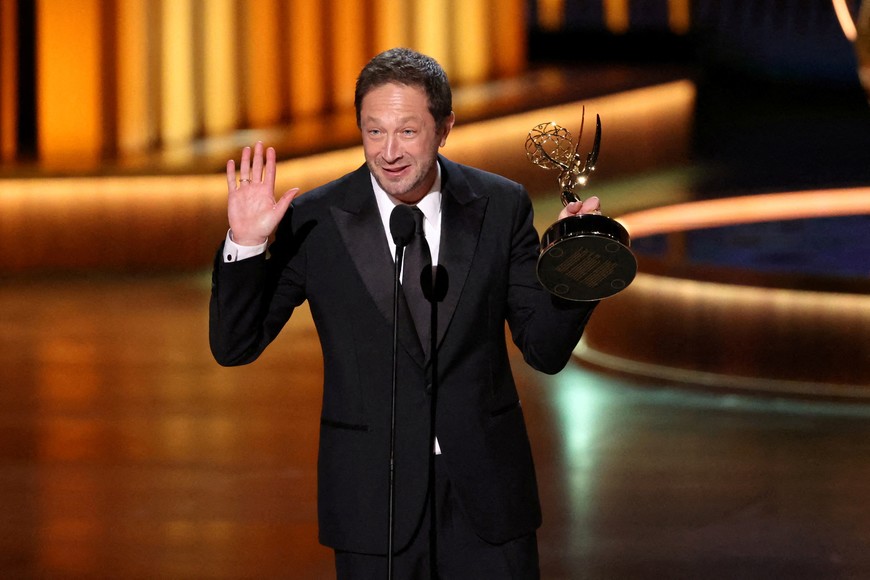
x=244 y=181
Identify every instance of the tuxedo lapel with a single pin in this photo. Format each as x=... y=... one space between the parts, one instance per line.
x=359 y=224
x=461 y=222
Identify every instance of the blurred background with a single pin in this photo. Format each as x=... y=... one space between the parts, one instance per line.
x=714 y=421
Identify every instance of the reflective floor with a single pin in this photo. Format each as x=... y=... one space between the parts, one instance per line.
x=126 y=452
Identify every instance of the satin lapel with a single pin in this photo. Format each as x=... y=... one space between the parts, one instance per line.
x=461 y=221
x=359 y=224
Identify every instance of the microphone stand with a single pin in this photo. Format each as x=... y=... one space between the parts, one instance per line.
x=397 y=288
x=402 y=230
x=434 y=289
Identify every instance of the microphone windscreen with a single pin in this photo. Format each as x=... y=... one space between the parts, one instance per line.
x=402 y=225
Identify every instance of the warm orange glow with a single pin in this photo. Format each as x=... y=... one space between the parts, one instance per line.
x=69 y=62
x=262 y=63
x=616 y=15
x=136 y=77
x=392 y=24
x=679 y=16
x=431 y=21
x=178 y=100
x=349 y=49
x=137 y=85
x=8 y=80
x=306 y=66
x=551 y=14
x=221 y=81
x=508 y=27
x=747 y=209
x=471 y=51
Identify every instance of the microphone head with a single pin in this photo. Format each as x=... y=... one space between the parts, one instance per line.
x=402 y=225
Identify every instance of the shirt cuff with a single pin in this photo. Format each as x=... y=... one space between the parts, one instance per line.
x=233 y=252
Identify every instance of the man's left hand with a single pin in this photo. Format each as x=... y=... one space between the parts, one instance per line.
x=589 y=205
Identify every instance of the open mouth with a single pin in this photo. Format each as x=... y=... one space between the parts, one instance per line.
x=394 y=171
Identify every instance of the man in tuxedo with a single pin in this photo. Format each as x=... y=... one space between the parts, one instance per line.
x=466 y=500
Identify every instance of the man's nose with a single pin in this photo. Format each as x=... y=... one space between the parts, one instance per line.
x=392 y=149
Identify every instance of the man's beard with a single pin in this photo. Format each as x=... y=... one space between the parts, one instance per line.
x=390 y=186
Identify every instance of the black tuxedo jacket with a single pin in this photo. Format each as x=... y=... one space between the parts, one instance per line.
x=331 y=250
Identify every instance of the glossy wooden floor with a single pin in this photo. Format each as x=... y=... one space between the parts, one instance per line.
x=126 y=452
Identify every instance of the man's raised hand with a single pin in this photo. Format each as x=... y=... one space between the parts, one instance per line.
x=252 y=209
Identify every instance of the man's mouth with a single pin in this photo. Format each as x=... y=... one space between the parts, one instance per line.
x=394 y=171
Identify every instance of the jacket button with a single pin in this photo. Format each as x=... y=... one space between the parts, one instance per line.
x=428 y=388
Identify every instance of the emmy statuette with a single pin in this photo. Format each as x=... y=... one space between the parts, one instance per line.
x=583 y=257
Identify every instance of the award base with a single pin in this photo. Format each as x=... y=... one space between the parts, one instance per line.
x=586 y=258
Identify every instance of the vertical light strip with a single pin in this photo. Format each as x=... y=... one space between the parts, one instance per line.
x=348 y=49
x=8 y=80
x=178 y=114
x=306 y=57
x=508 y=47
x=136 y=130
x=391 y=27
x=68 y=60
x=262 y=63
x=431 y=23
x=551 y=15
x=616 y=16
x=471 y=42
x=679 y=16
x=220 y=80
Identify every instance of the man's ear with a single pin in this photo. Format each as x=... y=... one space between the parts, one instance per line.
x=446 y=126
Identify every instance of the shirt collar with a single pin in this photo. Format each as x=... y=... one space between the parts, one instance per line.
x=430 y=205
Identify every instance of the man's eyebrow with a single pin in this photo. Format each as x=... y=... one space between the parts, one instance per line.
x=402 y=120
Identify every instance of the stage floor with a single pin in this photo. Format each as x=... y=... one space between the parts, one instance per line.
x=126 y=452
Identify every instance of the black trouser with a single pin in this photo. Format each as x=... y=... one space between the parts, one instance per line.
x=460 y=553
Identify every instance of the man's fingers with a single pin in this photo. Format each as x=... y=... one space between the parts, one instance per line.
x=592 y=205
x=245 y=165
x=257 y=165
x=286 y=199
x=269 y=176
x=231 y=175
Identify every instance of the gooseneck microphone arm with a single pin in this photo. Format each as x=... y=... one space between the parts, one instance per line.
x=402 y=229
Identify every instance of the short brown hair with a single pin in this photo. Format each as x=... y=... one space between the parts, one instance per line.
x=407 y=67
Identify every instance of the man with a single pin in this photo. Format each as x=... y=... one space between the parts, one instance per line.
x=466 y=501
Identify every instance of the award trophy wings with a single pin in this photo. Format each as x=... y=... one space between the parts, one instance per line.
x=583 y=257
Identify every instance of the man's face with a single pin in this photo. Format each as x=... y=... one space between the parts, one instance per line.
x=400 y=140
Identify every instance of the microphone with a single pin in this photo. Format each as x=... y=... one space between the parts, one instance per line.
x=402 y=225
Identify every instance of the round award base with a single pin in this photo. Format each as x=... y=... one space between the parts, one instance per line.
x=586 y=258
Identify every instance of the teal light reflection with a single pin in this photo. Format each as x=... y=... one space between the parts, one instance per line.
x=579 y=398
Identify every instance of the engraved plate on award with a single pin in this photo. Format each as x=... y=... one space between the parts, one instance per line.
x=583 y=257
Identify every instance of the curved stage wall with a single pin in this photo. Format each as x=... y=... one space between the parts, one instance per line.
x=741 y=328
